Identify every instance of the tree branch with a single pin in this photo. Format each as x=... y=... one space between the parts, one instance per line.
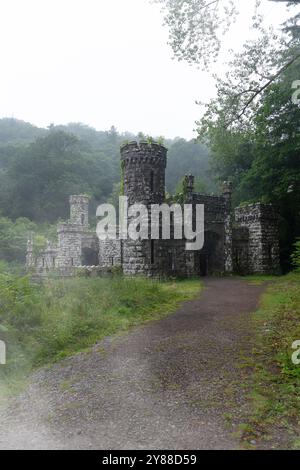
x=260 y=90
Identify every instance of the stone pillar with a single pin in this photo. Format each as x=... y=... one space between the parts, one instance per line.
x=110 y=252
x=189 y=182
x=228 y=252
x=69 y=246
x=79 y=210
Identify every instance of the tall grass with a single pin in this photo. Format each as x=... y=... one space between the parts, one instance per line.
x=43 y=323
x=275 y=394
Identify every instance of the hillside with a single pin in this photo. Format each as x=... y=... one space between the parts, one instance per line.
x=42 y=167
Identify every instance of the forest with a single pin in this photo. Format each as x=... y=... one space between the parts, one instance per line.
x=41 y=168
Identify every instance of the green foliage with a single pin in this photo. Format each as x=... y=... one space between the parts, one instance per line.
x=14 y=236
x=38 y=175
x=43 y=323
x=196 y=27
x=296 y=256
x=188 y=158
x=275 y=395
x=260 y=153
x=13 y=131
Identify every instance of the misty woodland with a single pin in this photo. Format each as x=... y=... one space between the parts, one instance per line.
x=150 y=269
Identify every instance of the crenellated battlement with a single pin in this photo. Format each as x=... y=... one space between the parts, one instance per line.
x=249 y=246
x=256 y=212
x=143 y=153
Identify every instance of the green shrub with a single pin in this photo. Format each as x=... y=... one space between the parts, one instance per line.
x=296 y=256
x=42 y=323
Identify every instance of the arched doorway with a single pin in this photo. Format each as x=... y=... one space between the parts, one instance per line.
x=89 y=257
x=208 y=259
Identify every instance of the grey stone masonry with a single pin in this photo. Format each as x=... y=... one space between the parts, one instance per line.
x=263 y=245
x=79 y=210
x=111 y=252
x=143 y=166
x=69 y=245
x=227 y=192
x=75 y=242
x=247 y=245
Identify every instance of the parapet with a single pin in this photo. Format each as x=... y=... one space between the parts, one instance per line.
x=143 y=152
x=256 y=212
x=79 y=198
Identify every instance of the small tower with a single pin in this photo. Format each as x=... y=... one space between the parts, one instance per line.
x=189 y=183
x=70 y=234
x=143 y=166
x=79 y=210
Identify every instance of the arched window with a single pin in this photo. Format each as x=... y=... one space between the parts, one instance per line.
x=82 y=219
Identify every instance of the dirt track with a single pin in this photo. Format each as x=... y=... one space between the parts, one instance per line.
x=166 y=385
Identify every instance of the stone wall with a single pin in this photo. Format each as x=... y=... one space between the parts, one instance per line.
x=251 y=246
x=76 y=244
x=263 y=246
x=110 y=253
x=69 y=245
x=241 y=250
x=79 y=210
x=216 y=254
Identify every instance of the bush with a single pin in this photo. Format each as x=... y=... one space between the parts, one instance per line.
x=42 y=323
x=296 y=256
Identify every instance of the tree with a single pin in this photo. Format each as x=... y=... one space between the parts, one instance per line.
x=196 y=28
x=262 y=156
x=38 y=183
x=36 y=179
x=187 y=157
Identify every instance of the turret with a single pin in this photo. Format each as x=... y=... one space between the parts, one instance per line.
x=79 y=210
x=144 y=166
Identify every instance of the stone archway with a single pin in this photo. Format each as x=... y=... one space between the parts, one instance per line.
x=208 y=259
x=89 y=257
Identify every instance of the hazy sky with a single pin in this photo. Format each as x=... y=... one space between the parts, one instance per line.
x=101 y=62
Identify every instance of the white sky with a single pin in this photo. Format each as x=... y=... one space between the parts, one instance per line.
x=101 y=62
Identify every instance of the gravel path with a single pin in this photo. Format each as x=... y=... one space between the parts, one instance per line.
x=166 y=385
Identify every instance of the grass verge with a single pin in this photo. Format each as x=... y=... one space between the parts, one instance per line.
x=41 y=324
x=274 y=411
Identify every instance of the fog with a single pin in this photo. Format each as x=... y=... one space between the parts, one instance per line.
x=102 y=62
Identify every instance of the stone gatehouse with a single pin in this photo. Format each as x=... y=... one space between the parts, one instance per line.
x=244 y=240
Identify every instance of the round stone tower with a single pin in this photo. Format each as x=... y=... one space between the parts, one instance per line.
x=143 y=167
x=79 y=210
